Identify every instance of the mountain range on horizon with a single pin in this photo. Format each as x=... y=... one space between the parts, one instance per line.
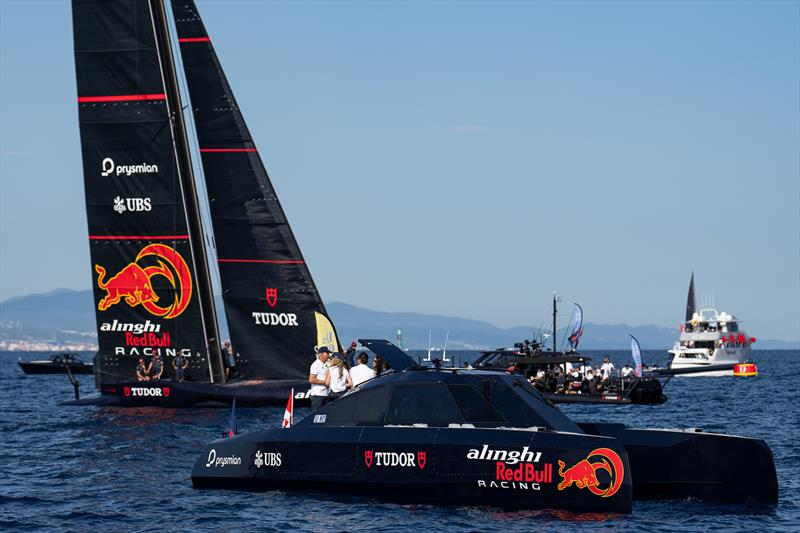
x=67 y=316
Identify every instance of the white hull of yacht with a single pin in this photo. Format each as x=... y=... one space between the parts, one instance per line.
x=698 y=359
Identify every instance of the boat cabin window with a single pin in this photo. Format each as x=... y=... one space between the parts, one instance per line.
x=366 y=407
x=474 y=407
x=423 y=404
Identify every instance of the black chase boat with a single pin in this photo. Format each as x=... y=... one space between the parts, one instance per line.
x=59 y=363
x=530 y=358
x=472 y=437
x=150 y=264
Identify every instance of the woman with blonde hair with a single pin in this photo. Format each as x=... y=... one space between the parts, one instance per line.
x=338 y=378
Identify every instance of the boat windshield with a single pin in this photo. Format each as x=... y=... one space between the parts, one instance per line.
x=438 y=399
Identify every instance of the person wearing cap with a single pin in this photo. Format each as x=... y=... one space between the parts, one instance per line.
x=347 y=356
x=316 y=377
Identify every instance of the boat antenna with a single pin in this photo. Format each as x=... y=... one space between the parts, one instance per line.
x=444 y=350
x=429 y=346
x=555 y=311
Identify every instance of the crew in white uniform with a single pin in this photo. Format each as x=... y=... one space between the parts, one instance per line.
x=606 y=369
x=361 y=372
x=338 y=378
x=317 y=373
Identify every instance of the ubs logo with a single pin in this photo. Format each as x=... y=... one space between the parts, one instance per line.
x=267 y=459
x=121 y=205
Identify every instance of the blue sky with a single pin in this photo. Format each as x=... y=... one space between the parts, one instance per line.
x=472 y=158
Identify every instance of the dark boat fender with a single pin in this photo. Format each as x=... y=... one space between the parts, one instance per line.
x=670 y=464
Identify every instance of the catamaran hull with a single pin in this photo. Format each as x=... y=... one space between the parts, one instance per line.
x=541 y=470
x=175 y=394
x=679 y=464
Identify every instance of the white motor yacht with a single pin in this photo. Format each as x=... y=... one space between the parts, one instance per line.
x=709 y=337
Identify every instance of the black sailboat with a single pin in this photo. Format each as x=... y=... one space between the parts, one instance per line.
x=151 y=274
x=691 y=303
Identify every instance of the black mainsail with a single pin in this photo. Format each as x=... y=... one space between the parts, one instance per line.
x=275 y=314
x=148 y=272
x=691 y=304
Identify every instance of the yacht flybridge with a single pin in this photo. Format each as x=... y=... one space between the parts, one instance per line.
x=709 y=337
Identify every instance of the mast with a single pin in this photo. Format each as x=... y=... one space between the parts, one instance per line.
x=186 y=177
x=276 y=316
x=555 y=310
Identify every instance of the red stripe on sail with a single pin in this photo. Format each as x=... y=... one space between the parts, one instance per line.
x=272 y=261
x=138 y=237
x=122 y=98
x=194 y=40
x=220 y=150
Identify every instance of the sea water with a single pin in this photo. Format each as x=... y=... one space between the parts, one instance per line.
x=100 y=469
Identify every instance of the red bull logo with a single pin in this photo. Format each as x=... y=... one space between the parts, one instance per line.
x=133 y=283
x=584 y=473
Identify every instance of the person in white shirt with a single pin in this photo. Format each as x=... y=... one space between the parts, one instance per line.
x=361 y=372
x=338 y=378
x=627 y=371
x=626 y=374
x=316 y=376
x=606 y=369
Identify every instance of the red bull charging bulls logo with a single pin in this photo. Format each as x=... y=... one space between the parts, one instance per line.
x=584 y=473
x=134 y=282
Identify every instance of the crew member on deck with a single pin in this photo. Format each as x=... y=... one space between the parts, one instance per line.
x=377 y=365
x=141 y=371
x=180 y=364
x=361 y=372
x=348 y=355
x=337 y=378
x=228 y=359
x=156 y=367
x=626 y=373
x=316 y=376
x=606 y=369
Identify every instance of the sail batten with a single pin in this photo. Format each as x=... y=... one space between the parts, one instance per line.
x=274 y=312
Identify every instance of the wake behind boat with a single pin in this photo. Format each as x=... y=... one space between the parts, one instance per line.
x=153 y=295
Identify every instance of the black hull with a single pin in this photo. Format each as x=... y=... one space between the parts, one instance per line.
x=643 y=392
x=613 y=399
x=173 y=394
x=47 y=367
x=675 y=464
x=441 y=466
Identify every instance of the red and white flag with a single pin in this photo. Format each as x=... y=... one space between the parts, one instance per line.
x=287 y=415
